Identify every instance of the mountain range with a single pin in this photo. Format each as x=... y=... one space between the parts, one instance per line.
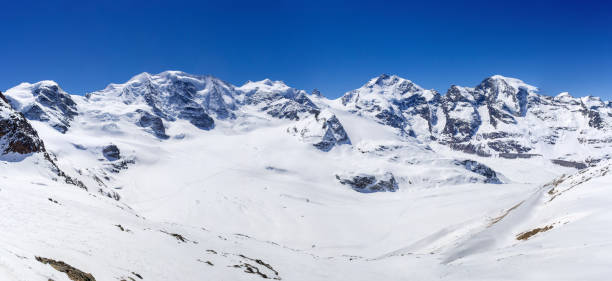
x=175 y=176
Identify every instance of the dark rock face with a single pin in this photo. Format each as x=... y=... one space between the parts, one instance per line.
x=518 y=155
x=16 y=134
x=323 y=130
x=334 y=134
x=481 y=169
x=111 y=152
x=507 y=146
x=316 y=93
x=495 y=90
x=147 y=120
x=470 y=148
x=369 y=183
x=391 y=118
x=198 y=117
x=595 y=120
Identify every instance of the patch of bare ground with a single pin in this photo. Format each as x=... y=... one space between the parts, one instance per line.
x=528 y=234
x=576 y=180
x=250 y=268
x=73 y=273
x=179 y=237
x=497 y=219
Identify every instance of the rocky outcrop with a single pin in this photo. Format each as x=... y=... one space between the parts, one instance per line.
x=323 y=130
x=73 y=273
x=16 y=133
x=154 y=123
x=490 y=176
x=111 y=152
x=369 y=183
x=568 y=163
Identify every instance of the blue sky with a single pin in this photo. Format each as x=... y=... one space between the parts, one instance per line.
x=334 y=46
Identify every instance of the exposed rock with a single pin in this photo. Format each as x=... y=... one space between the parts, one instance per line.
x=260 y=268
x=369 y=183
x=155 y=123
x=481 y=169
x=111 y=152
x=571 y=164
x=518 y=155
x=323 y=130
x=198 y=117
x=528 y=234
x=316 y=93
x=72 y=272
x=16 y=133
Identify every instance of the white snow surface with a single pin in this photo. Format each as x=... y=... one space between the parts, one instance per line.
x=248 y=192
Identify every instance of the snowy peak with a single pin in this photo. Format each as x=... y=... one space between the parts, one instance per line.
x=172 y=95
x=391 y=100
x=44 y=101
x=391 y=86
x=512 y=82
x=277 y=99
x=267 y=87
x=506 y=94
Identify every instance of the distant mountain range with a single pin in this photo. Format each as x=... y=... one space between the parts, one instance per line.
x=175 y=176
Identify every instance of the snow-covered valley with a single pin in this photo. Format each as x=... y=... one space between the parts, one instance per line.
x=183 y=177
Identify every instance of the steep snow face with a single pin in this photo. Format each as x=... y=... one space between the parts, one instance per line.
x=44 y=101
x=393 y=101
x=172 y=95
x=277 y=99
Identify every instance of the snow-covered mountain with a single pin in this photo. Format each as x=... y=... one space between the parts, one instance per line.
x=501 y=117
x=175 y=176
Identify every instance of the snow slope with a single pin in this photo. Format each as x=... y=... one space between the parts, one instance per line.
x=272 y=190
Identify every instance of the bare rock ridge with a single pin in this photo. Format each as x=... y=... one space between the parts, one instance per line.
x=369 y=183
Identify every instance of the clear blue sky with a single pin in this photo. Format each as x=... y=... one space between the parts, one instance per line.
x=334 y=46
